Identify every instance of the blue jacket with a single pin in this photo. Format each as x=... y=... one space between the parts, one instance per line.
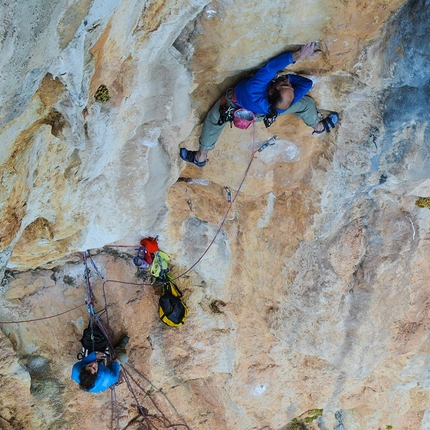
x=251 y=93
x=105 y=376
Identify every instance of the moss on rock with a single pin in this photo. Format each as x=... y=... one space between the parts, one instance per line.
x=423 y=202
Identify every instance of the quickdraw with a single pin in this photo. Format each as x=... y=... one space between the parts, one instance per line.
x=228 y=193
x=226 y=114
x=270 y=142
x=269 y=119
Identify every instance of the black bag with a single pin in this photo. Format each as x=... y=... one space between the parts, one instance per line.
x=98 y=342
x=172 y=310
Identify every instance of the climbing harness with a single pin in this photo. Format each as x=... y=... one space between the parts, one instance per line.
x=230 y=111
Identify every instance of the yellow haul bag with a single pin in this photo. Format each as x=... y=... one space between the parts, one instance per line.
x=172 y=310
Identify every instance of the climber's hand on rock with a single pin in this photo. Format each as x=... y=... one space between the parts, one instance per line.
x=305 y=51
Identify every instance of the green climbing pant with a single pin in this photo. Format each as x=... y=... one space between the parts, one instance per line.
x=120 y=352
x=304 y=108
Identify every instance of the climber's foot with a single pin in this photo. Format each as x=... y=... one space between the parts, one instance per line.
x=190 y=157
x=327 y=123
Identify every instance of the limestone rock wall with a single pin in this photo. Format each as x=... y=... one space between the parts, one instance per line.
x=310 y=307
x=76 y=171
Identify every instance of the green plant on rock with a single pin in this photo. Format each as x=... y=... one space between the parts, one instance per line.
x=313 y=415
x=301 y=422
x=214 y=306
x=116 y=254
x=295 y=425
x=423 y=202
x=143 y=274
x=102 y=94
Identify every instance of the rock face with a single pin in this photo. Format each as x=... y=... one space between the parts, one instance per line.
x=308 y=298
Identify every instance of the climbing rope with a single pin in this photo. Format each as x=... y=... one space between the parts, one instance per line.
x=255 y=152
x=155 y=390
x=114 y=409
x=89 y=300
x=270 y=142
x=145 y=417
x=42 y=318
x=95 y=267
x=73 y=308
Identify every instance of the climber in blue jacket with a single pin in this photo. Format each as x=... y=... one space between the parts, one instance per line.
x=93 y=376
x=266 y=95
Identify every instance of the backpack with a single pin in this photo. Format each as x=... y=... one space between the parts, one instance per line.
x=98 y=340
x=171 y=309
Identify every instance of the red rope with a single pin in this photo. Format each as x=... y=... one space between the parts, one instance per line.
x=44 y=318
x=225 y=216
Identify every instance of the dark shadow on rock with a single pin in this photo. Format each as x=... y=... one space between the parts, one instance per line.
x=406 y=58
x=405 y=104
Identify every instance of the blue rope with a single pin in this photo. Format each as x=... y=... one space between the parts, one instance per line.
x=95 y=268
x=89 y=301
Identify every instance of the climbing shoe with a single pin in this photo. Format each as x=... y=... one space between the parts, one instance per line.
x=190 y=156
x=123 y=342
x=329 y=122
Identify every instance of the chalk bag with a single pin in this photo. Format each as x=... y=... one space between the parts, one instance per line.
x=243 y=118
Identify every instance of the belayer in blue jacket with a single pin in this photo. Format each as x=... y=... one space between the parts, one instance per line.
x=265 y=96
x=93 y=376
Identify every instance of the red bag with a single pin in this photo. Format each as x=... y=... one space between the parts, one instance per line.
x=150 y=244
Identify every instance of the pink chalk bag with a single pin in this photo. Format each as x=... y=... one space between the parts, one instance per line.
x=243 y=118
